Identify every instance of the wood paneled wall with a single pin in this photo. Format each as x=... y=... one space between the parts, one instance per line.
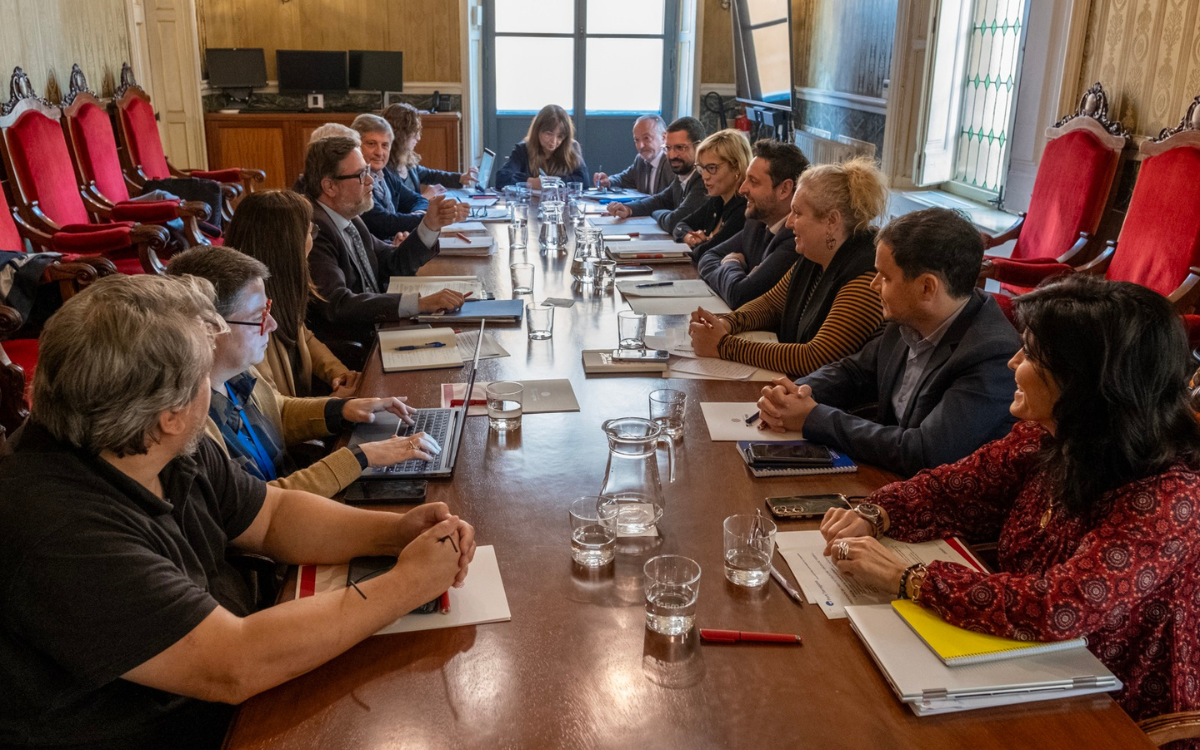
x=426 y=31
x=45 y=37
x=716 y=64
x=844 y=45
x=1147 y=55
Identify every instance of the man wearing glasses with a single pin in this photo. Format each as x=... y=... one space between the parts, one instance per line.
x=686 y=193
x=350 y=268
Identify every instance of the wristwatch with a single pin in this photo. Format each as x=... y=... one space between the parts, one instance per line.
x=873 y=515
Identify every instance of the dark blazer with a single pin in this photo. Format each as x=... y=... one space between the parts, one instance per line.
x=729 y=215
x=768 y=258
x=345 y=311
x=960 y=403
x=384 y=221
x=516 y=169
x=404 y=198
x=639 y=171
x=672 y=204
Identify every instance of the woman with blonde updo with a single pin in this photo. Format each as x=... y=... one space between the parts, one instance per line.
x=824 y=308
x=723 y=159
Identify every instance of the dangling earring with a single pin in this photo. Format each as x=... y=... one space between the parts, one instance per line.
x=829 y=242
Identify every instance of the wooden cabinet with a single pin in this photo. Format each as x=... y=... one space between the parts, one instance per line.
x=275 y=141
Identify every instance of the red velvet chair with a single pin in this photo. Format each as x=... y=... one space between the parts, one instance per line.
x=1073 y=187
x=17 y=362
x=48 y=198
x=142 y=148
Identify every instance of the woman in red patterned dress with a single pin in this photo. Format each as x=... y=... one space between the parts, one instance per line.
x=1094 y=496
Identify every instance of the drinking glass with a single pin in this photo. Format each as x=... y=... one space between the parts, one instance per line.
x=606 y=273
x=593 y=532
x=667 y=411
x=574 y=189
x=541 y=321
x=518 y=234
x=672 y=587
x=749 y=544
x=631 y=329
x=522 y=278
x=504 y=399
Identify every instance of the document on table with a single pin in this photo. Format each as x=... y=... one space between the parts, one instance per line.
x=433 y=284
x=727 y=423
x=491 y=348
x=481 y=599
x=466 y=227
x=433 y=348
x=715 y=369
x=824 y=585
x=679 y=288
x=539 y=397
x=632 y=221
x=649 y=231
x=676 y=305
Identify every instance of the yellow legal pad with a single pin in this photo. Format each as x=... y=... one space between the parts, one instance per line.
x=956 y=646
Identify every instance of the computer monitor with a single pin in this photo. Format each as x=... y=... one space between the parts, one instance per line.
x=244 y=68
x=311 y=72
x=372 y=70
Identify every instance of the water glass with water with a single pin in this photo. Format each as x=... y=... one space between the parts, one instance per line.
x=522 y=278
x=631 y=329
x=672 y=588
x=606 y=273
x=749 y=544
x=541 y=321
x=504 y=399
x=667 y=408
x=518 y=234
x=593 y=532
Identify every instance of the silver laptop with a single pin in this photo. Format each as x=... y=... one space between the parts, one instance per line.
x=486 y=161
x=446 y=426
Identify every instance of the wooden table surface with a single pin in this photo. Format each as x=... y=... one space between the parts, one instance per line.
x=576 y=667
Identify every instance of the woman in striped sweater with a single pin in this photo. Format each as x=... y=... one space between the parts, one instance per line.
x=824 y=308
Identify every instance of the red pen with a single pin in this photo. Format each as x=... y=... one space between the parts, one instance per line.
x=463 y=237
x=444 y=603
x=474 y=402
x=734 y=636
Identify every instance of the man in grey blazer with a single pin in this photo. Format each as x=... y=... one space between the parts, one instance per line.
x=686 y=192
x=648 y=173
x=938 y=372
x=746 y=266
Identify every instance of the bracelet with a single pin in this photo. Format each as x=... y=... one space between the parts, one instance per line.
x=905 y=577
x=917 y=579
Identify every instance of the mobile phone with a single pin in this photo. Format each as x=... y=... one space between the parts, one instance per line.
x=805 y=506
x=366 y=568
x=791 y=454
x=640 y=355
x=633 y=270
x=386 y=491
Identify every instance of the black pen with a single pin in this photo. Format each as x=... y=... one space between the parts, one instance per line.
x=752 y=418
x=659 y=283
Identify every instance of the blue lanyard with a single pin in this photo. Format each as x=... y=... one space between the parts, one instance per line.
x=264 y=462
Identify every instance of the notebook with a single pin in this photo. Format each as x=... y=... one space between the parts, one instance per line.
x=466 y=244
x=600 y=362
x=841 y=463
x=474 y=311
x=426 y=357
x=432 y=284
x=956 y=646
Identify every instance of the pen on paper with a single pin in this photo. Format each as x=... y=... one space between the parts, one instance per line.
x=444 y=603
x=650 y=286
x=430 y=345
x=752 y=418
x=463 y=237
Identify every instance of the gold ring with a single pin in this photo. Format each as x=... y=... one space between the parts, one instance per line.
x=843 y=551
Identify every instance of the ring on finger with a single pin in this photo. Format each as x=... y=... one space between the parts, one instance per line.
x=843 y=550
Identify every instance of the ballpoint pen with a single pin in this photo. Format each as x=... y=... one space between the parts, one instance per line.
x=793 y=593
x=735 y=636
x=430 y=345
x=752 y=418
x=463 y=237
x=474 y=402
x=658 y=283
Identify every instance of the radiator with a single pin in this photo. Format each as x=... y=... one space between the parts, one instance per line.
x=820 y=148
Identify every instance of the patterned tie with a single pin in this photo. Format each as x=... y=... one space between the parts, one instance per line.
x=358 y=256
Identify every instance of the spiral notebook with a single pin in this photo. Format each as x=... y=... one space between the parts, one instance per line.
x=841 y=463
x=956 y=646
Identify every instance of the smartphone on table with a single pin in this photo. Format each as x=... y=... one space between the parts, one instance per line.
x=386 y=492
x=640 y=355
x=795 y=507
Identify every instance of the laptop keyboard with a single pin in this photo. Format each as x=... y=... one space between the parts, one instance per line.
x=433 y=422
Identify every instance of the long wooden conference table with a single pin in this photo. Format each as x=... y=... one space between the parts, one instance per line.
x=576 y=666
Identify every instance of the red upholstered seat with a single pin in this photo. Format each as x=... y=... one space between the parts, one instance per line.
x=10 y=238
x=96 y=150
x=39 y=155
x=23 y=352
x=145 y=145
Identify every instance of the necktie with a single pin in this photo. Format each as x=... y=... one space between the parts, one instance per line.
x=358 y=256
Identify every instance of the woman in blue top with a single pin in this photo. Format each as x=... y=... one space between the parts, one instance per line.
x=411 y=183
x=549 y=147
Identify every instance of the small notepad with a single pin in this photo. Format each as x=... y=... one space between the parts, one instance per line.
x=957 y=646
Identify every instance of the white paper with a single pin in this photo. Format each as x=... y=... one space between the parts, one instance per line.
x=632 y=221
x=677 y=305
x=426 y=285
x=466 y=346
x=826 y=587
x=475 y=245
x=715 y=369
x=679 y=288
x=639 y=245
x=466 y=227
x=727 y=422
x=539 y=396
x=419 y=359
x=677 y=343
x=643 y=232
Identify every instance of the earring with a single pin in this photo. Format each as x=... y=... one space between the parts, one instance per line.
x=829 y=242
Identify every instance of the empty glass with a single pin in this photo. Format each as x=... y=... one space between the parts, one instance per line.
x=667 y=411
x=541 y=321
x=589 y=245
x=606 y=273
x=631 y=329
x=518 y=234
x=504 y=398
x=672 y=587
x=522 y=278
x=749 y=544
x=593 y=532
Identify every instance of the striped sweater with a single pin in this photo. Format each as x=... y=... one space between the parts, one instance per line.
x=856 y=314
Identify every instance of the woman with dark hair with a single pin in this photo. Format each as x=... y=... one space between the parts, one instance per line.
x=275 y=227
x=404 y=163
x=549 y=147
x=1094 y=496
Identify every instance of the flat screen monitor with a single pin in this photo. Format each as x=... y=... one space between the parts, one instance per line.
x=236 y=68
x=311 y=72
x=376 y=71
x=762 y=52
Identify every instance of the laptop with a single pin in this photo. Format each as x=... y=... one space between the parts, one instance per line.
x=446 y=426
x=485 y=170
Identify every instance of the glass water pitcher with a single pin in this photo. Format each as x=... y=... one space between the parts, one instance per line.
x=589 y=246
x=631 y=479
x=553 y=232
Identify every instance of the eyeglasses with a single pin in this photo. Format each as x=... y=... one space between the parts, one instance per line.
x=362 y=176
x=314 y=231
x=262 y=324
x=711 y=169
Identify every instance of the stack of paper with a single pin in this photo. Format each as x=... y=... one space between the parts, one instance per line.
x=426 y=285
x=465 y=227
x=491 y=348
x=625 y=231
x=538 y=396
x=957 y=646
x=678 y=288
x=661 y=251
x=634 y=222
x=467 y=244
x=419 y=349
x=727 y=423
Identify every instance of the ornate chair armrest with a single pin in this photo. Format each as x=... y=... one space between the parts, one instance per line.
x=153 y=212
x=10 y=321
x=1011 y=233
x=95 y=203
x=1020 y=273
x=1099 y=265
x=1187 y=295
x=1076 y=255
x=32 y=233
x=1172 y=727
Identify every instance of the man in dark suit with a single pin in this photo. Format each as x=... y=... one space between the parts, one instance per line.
x=749 y=263
x=649 y=172
x=938 y=371
x=350 y=268
x=686 y=191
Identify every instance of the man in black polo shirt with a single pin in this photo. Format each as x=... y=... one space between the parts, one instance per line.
x=121 y=623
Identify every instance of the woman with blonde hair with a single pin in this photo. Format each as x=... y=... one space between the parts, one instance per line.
x=549 y=148
x=404 y=163
x=275 y=227
x=824 y=308
x=723 y=159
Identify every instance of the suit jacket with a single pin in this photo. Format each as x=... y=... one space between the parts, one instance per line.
x=344 y=310
x=721 y=219
x=384 y=221
x=404 y=199
x=960 y=403
x=670 y=205
x=516 y=169
x=768 y=258
x=639 y=171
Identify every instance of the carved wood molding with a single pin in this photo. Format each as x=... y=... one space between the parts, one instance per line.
x=129 y=86
x=1186 y=133
x=1190 y=121
x=1094 y=104
x=78 y=85
x=20 y=89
